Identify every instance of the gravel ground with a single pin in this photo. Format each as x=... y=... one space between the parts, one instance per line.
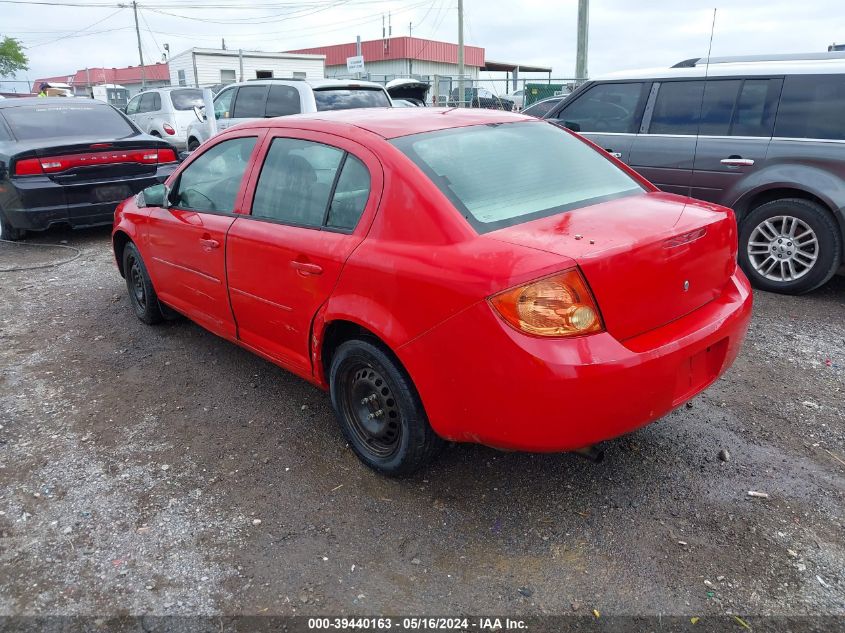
x=162 y=470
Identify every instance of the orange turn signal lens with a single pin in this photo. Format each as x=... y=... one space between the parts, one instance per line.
x=560 y=305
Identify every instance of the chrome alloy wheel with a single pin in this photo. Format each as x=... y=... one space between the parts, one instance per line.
x=783 y=248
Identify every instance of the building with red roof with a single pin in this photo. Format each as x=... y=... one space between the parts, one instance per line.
x=129 y=77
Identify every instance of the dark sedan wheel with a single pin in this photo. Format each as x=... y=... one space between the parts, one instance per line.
x=791 y=246
x=379 y=411
x=142 y=295
x=193 y=144
x=9 y=233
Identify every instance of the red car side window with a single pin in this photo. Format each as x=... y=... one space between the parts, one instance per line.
x=212 y=181
x=311 y=184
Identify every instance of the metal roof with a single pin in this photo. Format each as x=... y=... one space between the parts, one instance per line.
x=95 y=76
x=403 y=47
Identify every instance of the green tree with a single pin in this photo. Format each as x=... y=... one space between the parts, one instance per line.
x=12 y=57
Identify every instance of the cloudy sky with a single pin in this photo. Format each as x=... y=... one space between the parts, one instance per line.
x=61 y=39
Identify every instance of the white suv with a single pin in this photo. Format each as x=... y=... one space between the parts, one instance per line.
x=165 y=112
x=264 y=98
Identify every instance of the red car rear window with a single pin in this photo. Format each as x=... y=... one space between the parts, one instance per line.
x=503 y=174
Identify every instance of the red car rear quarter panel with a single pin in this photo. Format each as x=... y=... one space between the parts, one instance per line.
x=481 y=381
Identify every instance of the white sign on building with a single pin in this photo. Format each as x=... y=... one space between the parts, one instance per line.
x=355 y=64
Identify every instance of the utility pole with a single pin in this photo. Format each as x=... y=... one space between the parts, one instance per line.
x=140 y=52
x=358 y=52
x=461 y=53
x=583 y=29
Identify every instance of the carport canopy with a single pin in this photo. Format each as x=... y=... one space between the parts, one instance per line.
x=507 y=67
x=512 y=70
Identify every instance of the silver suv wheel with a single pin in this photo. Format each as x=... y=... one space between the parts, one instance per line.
x=783 y=248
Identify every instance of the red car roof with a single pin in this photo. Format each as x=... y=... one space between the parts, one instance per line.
x=394 y=122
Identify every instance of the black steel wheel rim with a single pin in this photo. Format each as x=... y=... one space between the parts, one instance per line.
x=136 y=284
x=371 y=410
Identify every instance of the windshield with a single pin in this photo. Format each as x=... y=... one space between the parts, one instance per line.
x=508 y=173
x=81 y=120
x=186 y=99
x=347 y=99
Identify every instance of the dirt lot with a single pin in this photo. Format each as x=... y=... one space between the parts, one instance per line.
x=162 y=470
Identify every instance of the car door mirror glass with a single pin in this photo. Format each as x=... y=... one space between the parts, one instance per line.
x=200 y=113
x=155 y=196
x=571 y=125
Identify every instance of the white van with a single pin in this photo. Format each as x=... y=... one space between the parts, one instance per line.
x=265 y=98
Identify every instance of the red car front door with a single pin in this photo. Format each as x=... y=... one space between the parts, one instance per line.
x=310 y=205
x=186 y=241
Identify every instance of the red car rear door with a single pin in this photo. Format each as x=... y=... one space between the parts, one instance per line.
x=310 y=205
x=186 y=242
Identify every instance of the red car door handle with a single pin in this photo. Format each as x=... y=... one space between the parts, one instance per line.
x=208 y=244
x=306 y=268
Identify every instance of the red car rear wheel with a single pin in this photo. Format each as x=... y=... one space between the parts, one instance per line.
x=379 y=410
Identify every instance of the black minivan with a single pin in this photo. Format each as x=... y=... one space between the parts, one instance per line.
x=763 y=135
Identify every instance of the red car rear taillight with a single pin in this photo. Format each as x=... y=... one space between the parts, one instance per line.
x=556 y=306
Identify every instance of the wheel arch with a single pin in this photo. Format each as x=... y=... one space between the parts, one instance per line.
x=119 y=241
x=753 y=199
x=330 y=329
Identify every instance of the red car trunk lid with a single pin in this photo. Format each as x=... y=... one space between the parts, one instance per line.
x=649 y=259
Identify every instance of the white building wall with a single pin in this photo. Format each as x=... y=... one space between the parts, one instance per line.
x=209 y=63
x=181 y=62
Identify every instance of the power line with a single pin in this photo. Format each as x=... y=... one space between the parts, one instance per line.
x=78 y=31
x=150 y=32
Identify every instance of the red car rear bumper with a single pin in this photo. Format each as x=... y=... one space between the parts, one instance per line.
x=481 y=381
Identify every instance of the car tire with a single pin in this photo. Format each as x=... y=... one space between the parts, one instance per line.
x=379 y=410
x=789 y=246
x=142 y=295
x=8 y=232
x=193 y=144
x=154 y=133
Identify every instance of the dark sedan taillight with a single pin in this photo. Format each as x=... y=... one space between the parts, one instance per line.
x=56 y=164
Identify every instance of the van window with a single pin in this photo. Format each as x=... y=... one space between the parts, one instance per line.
x=282 y=100
x=249 y=104
x=605 y=108
x=347 y=98
x=223 y=104
x=717 y=107
x=812 y=106
x=755 y=110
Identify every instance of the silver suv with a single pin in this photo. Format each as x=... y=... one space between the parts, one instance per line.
x=264 y=98
x=763 y=135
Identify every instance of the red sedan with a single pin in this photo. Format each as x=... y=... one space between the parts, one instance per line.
x=462 y=275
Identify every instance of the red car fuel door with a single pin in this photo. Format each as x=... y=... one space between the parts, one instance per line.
x=186 y=241
x=310 y=203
